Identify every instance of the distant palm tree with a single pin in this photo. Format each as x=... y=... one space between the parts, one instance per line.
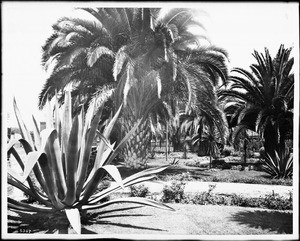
x=123 y=47
x=262 y=100
x=240 y=138
x=207 y=143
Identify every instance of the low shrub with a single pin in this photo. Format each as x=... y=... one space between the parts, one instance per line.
x=234 y=159
x=272 y=201
x=237 y=167
x=218 y=162
x=227 y=151
x=262 y=152
x=237 y=200
x=226 y=166
x=250 y=180
x=174 y=192
x=253 y=160
x=275 y=201
x=139 y=191
x=186 y=176
x=236 y=153
x=281 y=181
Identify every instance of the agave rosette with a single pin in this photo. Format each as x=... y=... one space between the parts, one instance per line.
x=59 y=157
x=280 y=165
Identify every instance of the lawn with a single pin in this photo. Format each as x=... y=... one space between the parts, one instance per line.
x=187 y=219
x=189 y=169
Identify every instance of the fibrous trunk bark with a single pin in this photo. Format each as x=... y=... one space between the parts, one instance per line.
x=137 y=147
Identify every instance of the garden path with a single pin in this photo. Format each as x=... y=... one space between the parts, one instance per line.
x=244 y=189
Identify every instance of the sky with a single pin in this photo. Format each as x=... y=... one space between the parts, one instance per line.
x=240 y=28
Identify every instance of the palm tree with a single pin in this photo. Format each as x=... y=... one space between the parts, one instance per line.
x=262 y=100
x=207 y=144
x=204 y=133
x=240 y=138
x=121 y=47
x=141 y=103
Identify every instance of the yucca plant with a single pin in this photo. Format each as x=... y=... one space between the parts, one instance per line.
x=59 y=157
x=281 y=165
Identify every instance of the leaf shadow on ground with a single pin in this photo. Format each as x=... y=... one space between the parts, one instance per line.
x=281 y=222
x=100 y=218
x=39 y=222
x=196 y=172
x=34 y=222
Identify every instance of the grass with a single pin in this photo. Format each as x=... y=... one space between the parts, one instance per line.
x=188 y=219
x=132 y=219
x=185 y=169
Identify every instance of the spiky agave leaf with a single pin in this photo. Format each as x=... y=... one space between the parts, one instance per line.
x=23 y=129
x=30 y=160
x=71 y=163
x=58 y=161
x=280 y=165
x=137 y=200
x=86 y=146
x=26 y=207
x=73 y=216
x=131 y=180
x=101 y=147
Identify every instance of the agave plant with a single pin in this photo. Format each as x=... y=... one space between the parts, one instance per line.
x=281 y=165
x=59 y=157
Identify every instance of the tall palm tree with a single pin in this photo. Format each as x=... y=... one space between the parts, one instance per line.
x=121 y=47
x=141 y=102
x=262 y=100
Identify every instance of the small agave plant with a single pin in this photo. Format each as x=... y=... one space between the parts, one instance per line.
x=280 y=165
x=59 y=158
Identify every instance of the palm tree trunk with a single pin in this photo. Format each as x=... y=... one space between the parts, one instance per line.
x=175 y=141
x=184 y=151
x=270 y=143
x=245 y=151
x=167 y=142
x=146 y=19
x=137 y=148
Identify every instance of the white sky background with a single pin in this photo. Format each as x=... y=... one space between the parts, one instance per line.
x=237 y=27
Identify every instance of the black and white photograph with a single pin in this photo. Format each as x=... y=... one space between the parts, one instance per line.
x=150 y=120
